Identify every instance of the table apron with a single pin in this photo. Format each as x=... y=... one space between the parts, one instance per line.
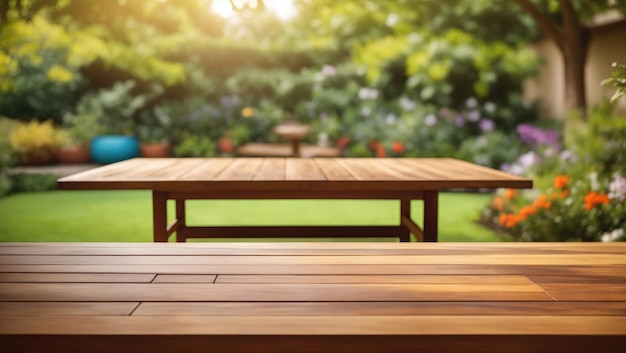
x=298 y=195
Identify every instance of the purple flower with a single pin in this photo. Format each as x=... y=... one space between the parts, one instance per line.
x=459 y=121
x=537 y=137
x=486 y=125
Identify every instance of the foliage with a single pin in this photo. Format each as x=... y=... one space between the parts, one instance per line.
x=34 y=137
x=599 y=142
x=581 y=190
x=587 y=209
x=116 y=108
x=24 y=182
x=39 y=69
x=195 y=146
x=81 y=126
x=618 y=80
x=7 y=158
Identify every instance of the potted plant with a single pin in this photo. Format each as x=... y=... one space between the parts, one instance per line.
x=116 y=109
x=35 y=142
x=81 y=128
x=152 y=131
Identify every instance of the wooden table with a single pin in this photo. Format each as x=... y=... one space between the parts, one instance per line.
x=313 y=297
x=400 y=179
x=294 y=133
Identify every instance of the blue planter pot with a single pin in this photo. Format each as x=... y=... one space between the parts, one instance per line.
x=107 y=149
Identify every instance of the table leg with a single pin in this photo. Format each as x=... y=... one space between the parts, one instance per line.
x=159 y=216
x=431 y=205
x=180 y=217
x=295 y=147
x=405 y=212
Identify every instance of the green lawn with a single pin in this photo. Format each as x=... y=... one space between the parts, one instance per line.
x=126 y=215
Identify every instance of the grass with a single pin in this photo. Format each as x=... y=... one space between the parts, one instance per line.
x=111 y=216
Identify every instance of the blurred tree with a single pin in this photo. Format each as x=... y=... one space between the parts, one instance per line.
x=563 y=22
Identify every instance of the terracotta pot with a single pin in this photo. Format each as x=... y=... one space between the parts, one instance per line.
x=155 y=150
x=77 y=154
x=41 y=158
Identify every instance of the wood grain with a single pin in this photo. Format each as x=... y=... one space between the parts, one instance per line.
x=312 y=297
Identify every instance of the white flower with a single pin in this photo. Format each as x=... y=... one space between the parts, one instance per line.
x=430 y=120
x=471 y=103
x=612 y=236
x=368 y=93
x=617 y=188
x=407 y=104
x=490 y=107
x=329 y=70
x=390 y=119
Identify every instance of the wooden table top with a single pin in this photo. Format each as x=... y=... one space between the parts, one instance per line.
x=312 y=174
x=330 y=297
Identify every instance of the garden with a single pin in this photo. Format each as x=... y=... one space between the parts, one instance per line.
x=384 y=79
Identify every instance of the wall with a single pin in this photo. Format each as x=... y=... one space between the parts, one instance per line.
x=608 y=45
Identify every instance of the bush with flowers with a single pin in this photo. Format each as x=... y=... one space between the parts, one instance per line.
x=589 y=209
x=580 y=191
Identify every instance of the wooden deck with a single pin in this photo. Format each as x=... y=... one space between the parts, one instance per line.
x=312 y=297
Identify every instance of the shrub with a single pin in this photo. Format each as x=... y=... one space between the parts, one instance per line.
x=588 y=209
x=585 y=198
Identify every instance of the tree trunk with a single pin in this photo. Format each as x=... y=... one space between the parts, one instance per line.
x=572 y=38
x=574 y=52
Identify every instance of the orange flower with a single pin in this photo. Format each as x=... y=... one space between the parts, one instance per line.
x=593 y=199
x=510 y=194
x=542 y=202
x=526 y=211
x=508 y=220
x=247 y=112
x=497 y=203
x=397 y=147
x=560 y=181
x=380 y=152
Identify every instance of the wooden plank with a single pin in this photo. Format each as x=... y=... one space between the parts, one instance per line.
x=293 y=269
x=551 y=279
x=41 y=309
x=77 y=277
x=332 y=169
x=267 y=292
x=185 y=279
x=586 y=291
x=458 y=279
x=289 y=248
x=271 y=169
x=241 y=169
x=201 y=169
x=318 y=325
x=486 y=259
x=299 y=169
x=380 y=308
